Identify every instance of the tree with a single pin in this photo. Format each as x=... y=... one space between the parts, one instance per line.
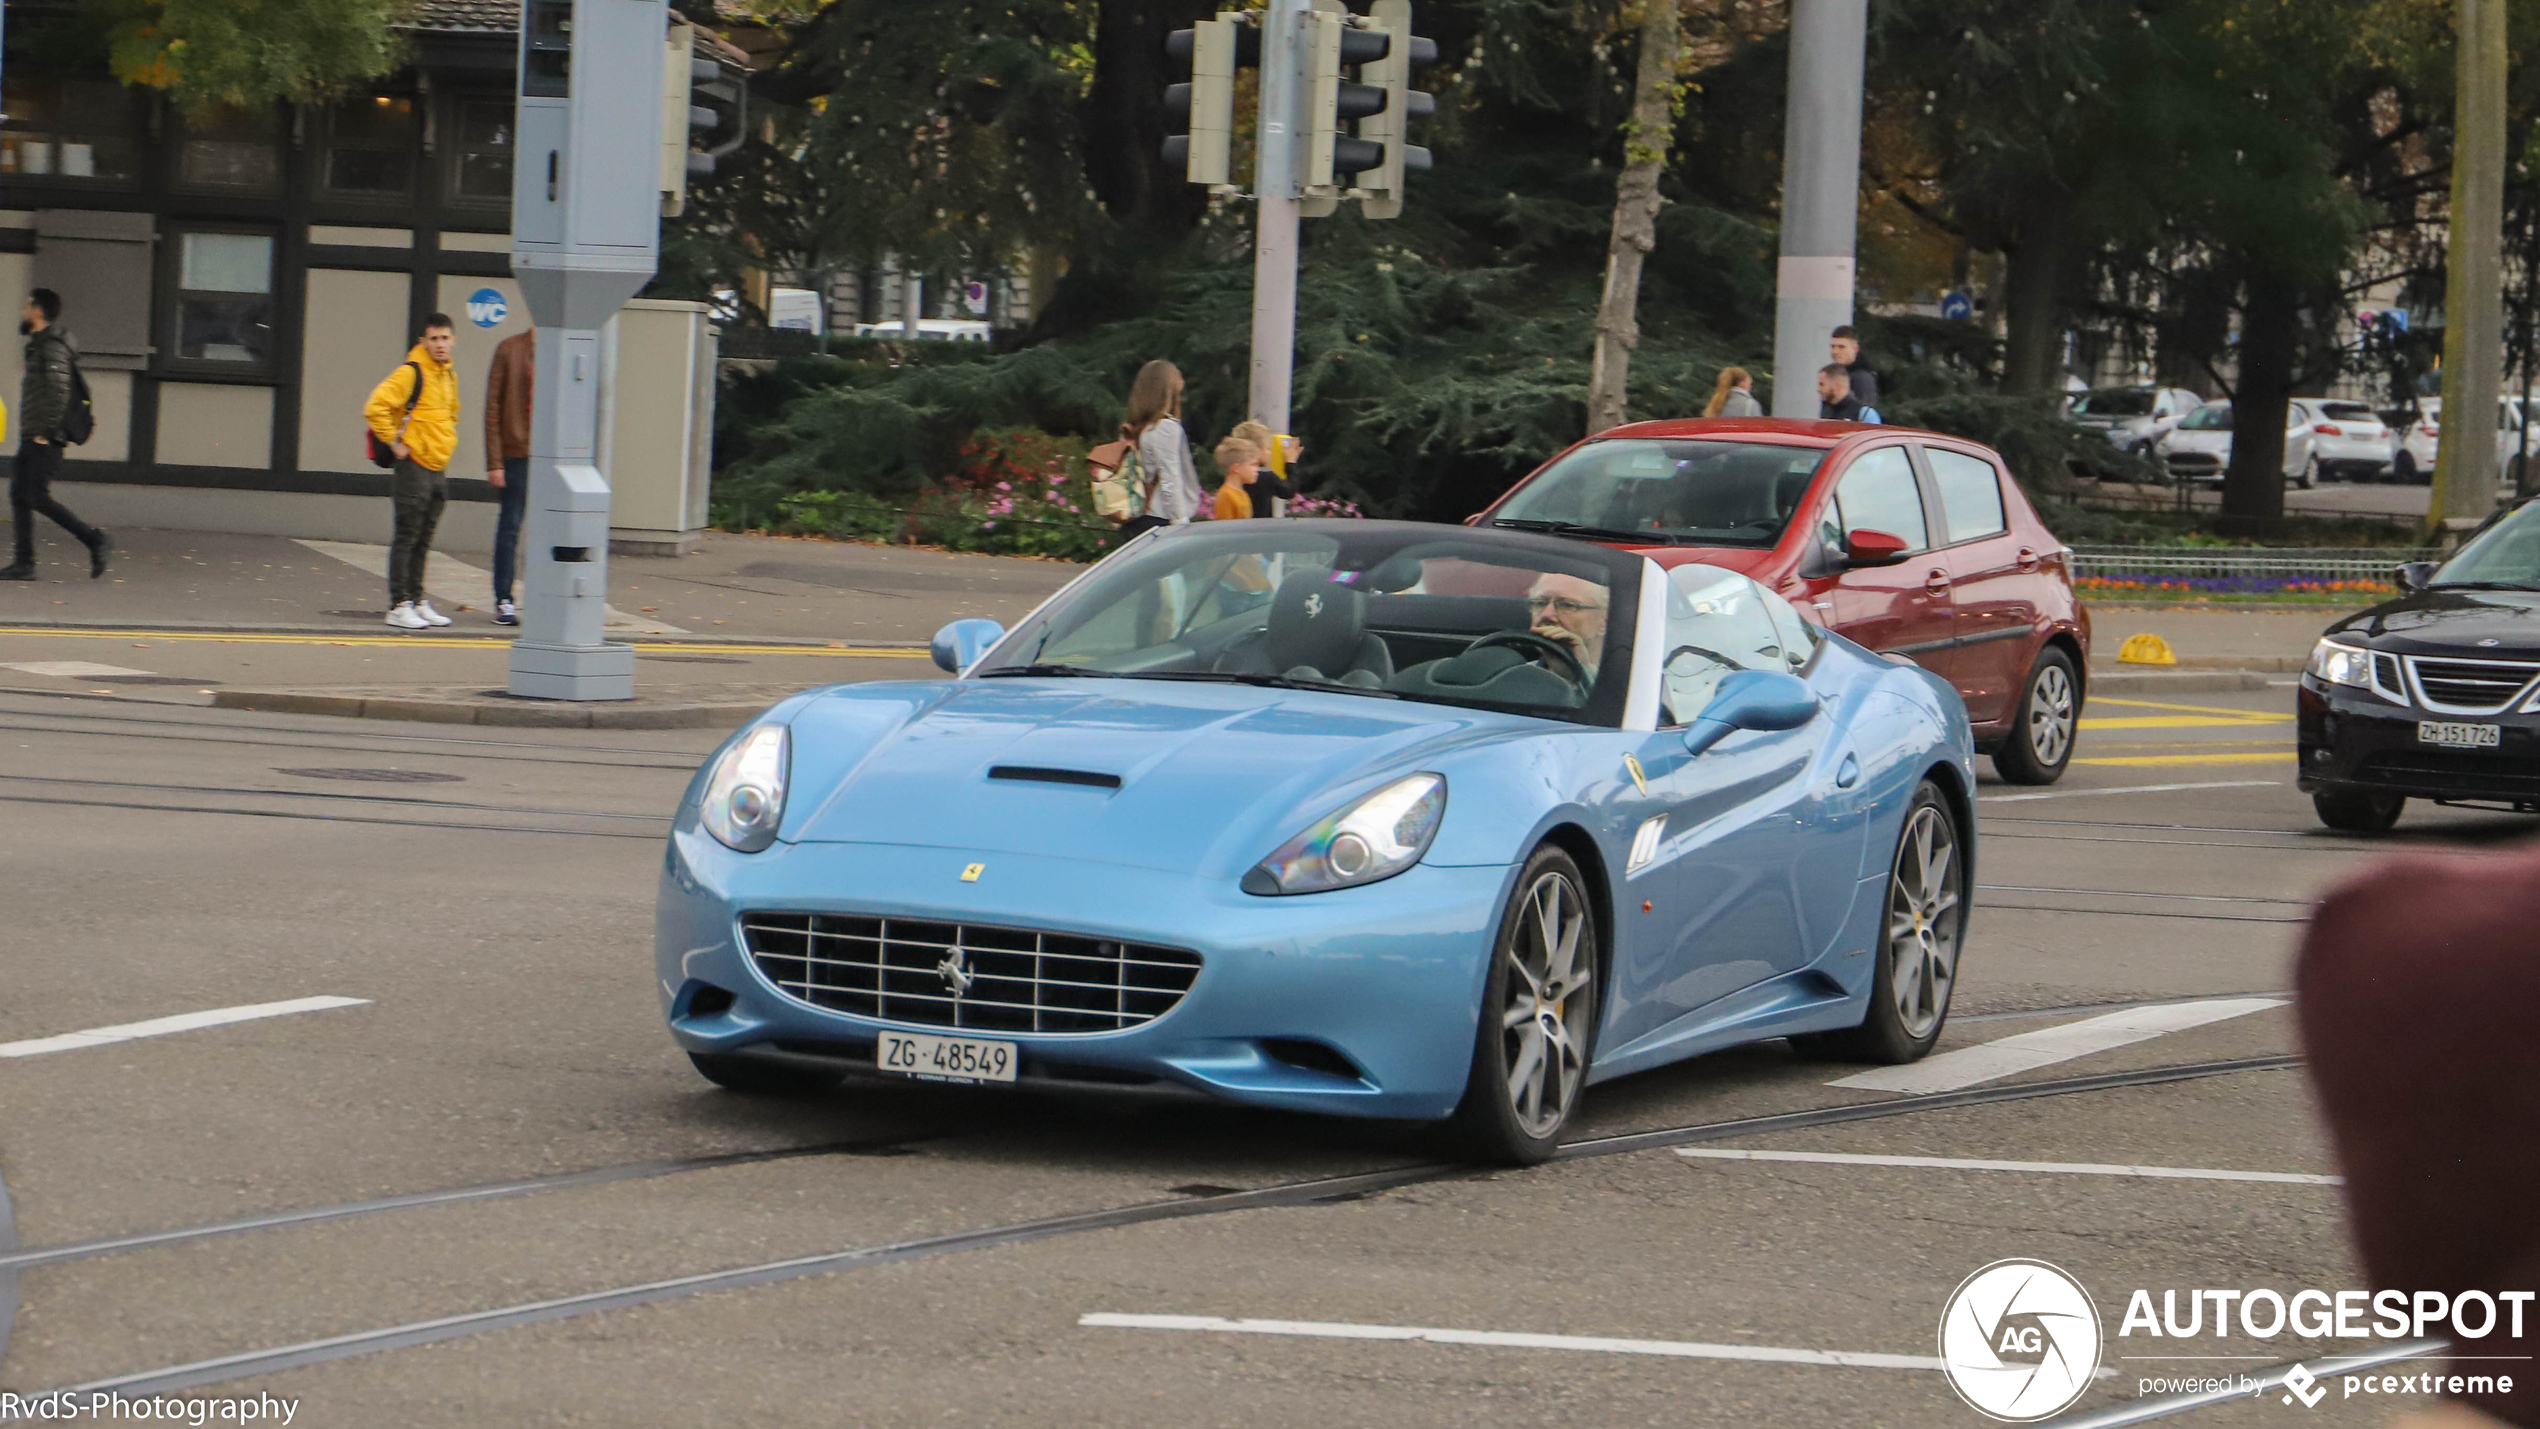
x=247 y=54
x=1636 y=201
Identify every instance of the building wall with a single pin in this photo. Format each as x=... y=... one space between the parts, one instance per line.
x=355 y=333
x=473 y=356
x=215 y=424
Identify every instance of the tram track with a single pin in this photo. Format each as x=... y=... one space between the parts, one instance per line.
x=1311 y=1191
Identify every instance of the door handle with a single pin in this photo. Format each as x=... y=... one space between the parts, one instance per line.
x=2028 y=559
x=1848 y=774
x=1937 y=582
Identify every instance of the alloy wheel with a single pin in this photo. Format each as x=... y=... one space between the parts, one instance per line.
x=1923 y=922
x=1550 y=964
x=2050 y=715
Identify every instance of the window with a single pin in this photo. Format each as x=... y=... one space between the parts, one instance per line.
x=1700 y=492
x=1718 y=623
x=224 y=299
x=1970 y=495
x=481 y=167
x=71 y=129
x=371 y=146
x=238 y=150
x=1879 y=493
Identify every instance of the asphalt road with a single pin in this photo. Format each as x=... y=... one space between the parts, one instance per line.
x=902 y=1255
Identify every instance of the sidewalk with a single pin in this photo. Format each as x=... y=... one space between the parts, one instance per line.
x=249 y=621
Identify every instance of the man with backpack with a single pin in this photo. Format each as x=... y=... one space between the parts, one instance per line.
x=414 y=425
x=53 y=412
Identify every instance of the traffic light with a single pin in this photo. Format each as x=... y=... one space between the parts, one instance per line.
x=1204 y=109
x=1387 y=127
x=1340 y=46
x=704 y=112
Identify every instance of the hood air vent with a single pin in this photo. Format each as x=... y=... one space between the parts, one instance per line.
x=1035 y=775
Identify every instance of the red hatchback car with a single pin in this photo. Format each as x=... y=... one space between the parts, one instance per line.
x=1911 y=543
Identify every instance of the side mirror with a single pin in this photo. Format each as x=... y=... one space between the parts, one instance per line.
x=2415 y=576
x=959 y=645
x=1874 y=548
x=1752 y=699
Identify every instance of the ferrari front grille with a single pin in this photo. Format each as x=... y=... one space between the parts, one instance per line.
x=2470 y=686
x=966 y=975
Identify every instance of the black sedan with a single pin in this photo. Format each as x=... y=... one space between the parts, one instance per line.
x=2434 y=695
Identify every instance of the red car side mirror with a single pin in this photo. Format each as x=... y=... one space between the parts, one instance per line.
x=1874 y=548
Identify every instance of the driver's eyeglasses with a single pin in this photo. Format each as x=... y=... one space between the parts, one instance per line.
x=1538 y=604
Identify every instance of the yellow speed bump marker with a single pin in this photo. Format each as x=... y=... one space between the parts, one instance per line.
x=2146 y=649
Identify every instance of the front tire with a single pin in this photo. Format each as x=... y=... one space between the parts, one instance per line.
x=1538 y=1018
x=1925 y=927
x=2351 y=813
x=2044 y=724
x=752 y=1077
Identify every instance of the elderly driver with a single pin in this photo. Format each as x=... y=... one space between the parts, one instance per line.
x=1570 y=612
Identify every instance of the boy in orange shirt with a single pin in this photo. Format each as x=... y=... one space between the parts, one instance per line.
x=1241 y=461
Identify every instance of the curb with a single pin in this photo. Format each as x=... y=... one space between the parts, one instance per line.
x=2188 y=682
x=491 y=710
x=194 y=627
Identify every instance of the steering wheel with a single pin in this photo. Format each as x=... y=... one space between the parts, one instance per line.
x=1541 y=645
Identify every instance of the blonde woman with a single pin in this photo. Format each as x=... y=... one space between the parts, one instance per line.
x=1735 y=396
x=1164 y=449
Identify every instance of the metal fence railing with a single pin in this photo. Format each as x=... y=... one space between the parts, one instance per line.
x=2323 y=563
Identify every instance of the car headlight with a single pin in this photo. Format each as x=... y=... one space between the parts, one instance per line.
x=745 y=796
x=1374 y=837
x=2342 y=664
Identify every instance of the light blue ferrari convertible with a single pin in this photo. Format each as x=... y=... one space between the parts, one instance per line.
x=1357 y=817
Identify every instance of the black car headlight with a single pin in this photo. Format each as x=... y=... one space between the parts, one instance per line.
x=745 y=795
x=1373 y=837
x=2342 y=664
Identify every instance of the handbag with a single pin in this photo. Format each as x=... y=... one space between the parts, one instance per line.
x=382 y=454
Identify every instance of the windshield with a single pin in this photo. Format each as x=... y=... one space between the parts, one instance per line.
x=1699 y=493
x=1383 y=610
x=2507 y=554
x=2212 y=417
x=2118 y=402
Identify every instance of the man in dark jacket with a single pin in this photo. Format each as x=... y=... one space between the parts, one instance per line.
x=507 y=392
x=44 y=404
x=1845 y=349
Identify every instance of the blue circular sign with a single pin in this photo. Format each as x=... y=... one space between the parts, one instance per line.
x=1957 y=307
x=486 y=308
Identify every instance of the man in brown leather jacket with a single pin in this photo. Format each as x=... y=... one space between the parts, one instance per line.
x=508 y=384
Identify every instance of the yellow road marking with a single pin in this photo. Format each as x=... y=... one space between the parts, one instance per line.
x=2192 y=744
x=2254 y=716
x=210 y=637
x=2176 y=722
x=2192 y=758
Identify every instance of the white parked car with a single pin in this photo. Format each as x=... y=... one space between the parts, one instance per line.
x=2347 y=440
x=2133 y=417
x=2412 y=447
x=2199 y=448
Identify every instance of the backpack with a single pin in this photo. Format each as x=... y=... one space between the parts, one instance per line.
x=381 y=454
x=79 y=419
x=1121 y=486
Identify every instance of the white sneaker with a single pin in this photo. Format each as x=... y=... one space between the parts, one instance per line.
x=506 y=613
x=405 y=618
x=423 y=608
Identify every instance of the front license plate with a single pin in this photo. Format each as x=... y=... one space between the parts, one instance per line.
x=945 y=1059
x=2458 y=736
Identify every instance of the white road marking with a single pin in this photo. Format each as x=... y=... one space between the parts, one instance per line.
x=1681 y=1349
x=2049 y=1045
x=455 y=582
x=2133 y=789
x=70 y=669
x=2061 y=1168
x=162 y=1026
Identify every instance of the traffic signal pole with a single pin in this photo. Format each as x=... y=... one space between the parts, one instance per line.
x=1821 y=194
x=2465 y=468
x=1278 y=193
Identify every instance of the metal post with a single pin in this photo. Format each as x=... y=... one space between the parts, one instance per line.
x=2473 y=337
x=1821 y=187
x=586 y=227
x=912 y=304
x=1275 y=188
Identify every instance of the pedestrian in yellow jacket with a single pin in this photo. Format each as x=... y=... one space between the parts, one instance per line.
x=415 y=414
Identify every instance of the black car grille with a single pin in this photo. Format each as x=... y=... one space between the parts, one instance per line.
x=965 y=975
x=2454 y=772
x=2194 y=463
x=2474 y=685
x=2385 y=676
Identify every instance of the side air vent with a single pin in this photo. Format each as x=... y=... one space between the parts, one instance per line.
x=1033 y=774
